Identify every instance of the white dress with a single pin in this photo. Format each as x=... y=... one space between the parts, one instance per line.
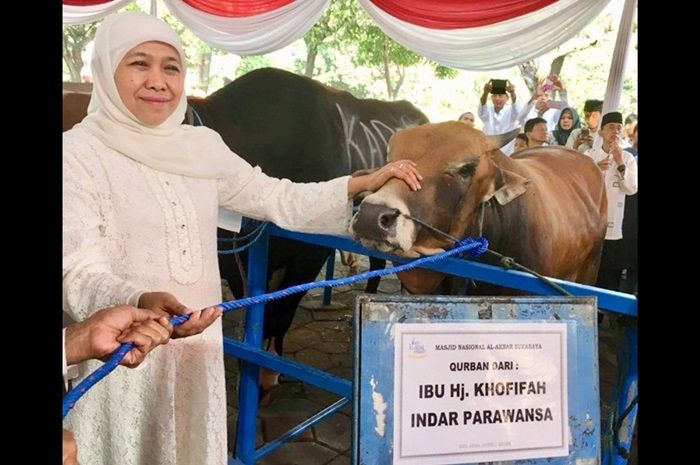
x=128 y=229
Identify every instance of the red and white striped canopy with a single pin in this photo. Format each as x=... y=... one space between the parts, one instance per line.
x=465 y=34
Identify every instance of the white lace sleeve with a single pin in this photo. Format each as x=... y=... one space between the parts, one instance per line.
x=317 y=207
x=89 y=283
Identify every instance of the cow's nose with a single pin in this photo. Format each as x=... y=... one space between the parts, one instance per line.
x=375 y=221
x=387 y=220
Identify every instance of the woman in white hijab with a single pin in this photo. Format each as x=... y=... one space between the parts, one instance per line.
x=140 y=199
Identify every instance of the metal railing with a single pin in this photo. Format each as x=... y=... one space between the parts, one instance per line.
x=253 y=357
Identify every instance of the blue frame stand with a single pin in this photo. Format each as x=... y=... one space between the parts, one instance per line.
x=252 y=356
x=378 y=316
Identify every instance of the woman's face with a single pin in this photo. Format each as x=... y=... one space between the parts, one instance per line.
x=566 y=121
x=150 y=80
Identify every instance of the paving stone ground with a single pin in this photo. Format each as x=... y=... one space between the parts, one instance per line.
x=322 y=337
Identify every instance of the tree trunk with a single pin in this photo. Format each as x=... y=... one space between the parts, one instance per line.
x=204 y=68
x=311 y=54
x=75 y=38
x=74 y=62
x=557 y=64
x=528 y=71
x=387 y=71
x=401 y=71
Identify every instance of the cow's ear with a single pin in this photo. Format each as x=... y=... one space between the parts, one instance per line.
x=499 y=140
x=508 y=185
x=363 y=172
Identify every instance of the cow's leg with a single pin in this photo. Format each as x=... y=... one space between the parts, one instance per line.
x=373 y=283
x=454 y=285
x=350 y=260
x=588 y=271
x=302 y=264
x=231 y=271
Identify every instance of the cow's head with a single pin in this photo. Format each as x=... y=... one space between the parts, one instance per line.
x=457 y=164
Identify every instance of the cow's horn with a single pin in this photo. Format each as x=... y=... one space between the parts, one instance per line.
x=499 y=140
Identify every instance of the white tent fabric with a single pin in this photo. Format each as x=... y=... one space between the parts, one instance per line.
x=251 y=35
x=87 y=14
x=617 y=67
x=495 y=46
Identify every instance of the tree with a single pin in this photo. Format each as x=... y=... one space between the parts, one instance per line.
x=198 y=53
x=334 y=27
x=586 y=39
x=391 y=59
x=376 y=50
x=75 y=39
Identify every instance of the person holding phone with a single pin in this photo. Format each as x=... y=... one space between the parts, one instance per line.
x=499 y=118
x=542 y=103
x=585 y=140
x=619 y=169
x=585 y=134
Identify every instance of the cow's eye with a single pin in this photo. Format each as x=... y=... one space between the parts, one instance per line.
x=466 y=171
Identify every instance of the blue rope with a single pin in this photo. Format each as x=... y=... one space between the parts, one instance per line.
x=474 y=247
x=244 y=237
x=196 y=115
x=244 y=246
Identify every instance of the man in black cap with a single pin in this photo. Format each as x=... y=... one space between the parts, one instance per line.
x=582 y=139
x=499 y=118
x=620 y=172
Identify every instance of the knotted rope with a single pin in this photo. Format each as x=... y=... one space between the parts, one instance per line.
x=474 y=247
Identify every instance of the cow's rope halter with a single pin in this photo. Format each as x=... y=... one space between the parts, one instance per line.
x=506 y=262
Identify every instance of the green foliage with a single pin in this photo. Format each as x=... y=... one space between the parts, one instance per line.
x=75 y=40
x=349 y=52
x=336 y=25
x=445 y=72
x=251 y=63
x=191 y=44
x=375 y=47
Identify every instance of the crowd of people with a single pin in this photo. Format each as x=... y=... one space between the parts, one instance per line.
x=608 y=139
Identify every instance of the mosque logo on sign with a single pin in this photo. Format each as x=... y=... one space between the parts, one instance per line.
x=416 y=350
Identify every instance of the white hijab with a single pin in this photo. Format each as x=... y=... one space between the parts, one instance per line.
x=171 y=147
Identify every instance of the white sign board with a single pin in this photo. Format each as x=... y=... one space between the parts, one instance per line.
x=479 y=392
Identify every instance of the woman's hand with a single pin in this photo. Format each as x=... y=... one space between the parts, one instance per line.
x=168 y=303
x=198 y=322
x=401 y=169
x=162 y=302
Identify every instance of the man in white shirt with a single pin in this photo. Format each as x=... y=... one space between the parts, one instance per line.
x=620 y=171
x=499 y=118
x=583 y=139
x=100 y=335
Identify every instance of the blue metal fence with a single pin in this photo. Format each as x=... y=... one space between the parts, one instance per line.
x=253 y=357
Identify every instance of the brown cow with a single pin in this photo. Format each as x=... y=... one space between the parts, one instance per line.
x=545 y=207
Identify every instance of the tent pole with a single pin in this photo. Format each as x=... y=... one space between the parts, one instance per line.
x=617 y=67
